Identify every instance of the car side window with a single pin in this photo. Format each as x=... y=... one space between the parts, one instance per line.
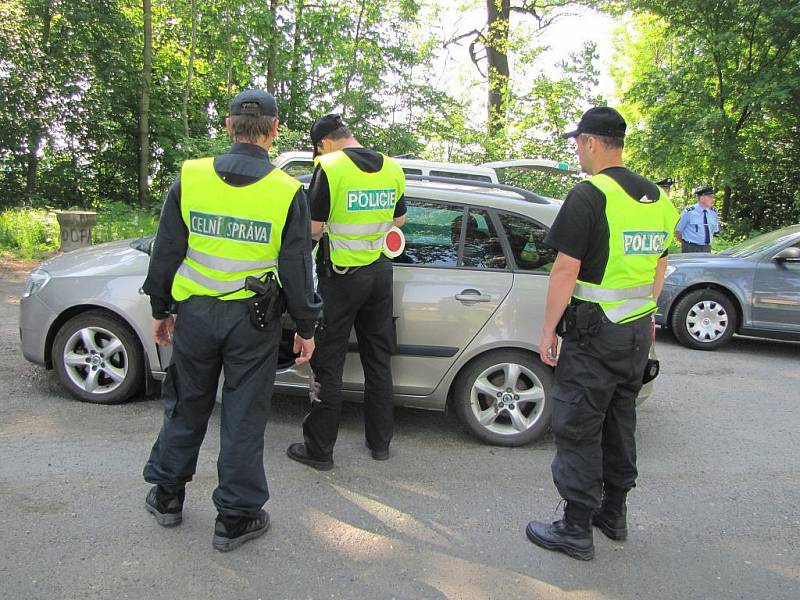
x=298 y=168
x=526 y=238
x=456 y=175
x=482 y=245
x=410 y=171
x=432 y=231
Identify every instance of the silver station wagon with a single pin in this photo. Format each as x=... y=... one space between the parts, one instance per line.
x=470 y=292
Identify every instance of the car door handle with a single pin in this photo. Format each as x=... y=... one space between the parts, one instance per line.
x=471 y=295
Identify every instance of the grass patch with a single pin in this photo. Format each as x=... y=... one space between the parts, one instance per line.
x=29 y=233
x=34 y=233
x=120 y=221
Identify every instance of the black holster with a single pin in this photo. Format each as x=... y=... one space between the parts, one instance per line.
x=580 y=320
x=268 y=304
x=324 y=264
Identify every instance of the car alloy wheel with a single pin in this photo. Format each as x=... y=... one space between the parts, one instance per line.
x=95 y=360
x=507 y=398
x=503 y=397
x=98 y=358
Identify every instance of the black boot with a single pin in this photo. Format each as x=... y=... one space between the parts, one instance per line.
x=299 y=452
x=232 y=532
x=572 y=535
x=166 y=504
x=378 y=454
x=611 y=519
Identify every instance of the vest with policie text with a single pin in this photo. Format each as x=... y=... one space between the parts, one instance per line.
x=234 y=231
x=362 y=207
x=639 y=233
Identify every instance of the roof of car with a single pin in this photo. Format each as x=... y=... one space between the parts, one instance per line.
x=500 y=198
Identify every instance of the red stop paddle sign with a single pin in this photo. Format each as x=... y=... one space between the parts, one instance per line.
x=394 y=242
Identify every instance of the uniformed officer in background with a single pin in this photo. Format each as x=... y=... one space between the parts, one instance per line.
x=666 y=184
x=356 y=195
x=611 y=235
x=699 y=223
x=229 y=225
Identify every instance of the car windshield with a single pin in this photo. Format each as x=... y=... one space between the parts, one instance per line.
x=760 y=242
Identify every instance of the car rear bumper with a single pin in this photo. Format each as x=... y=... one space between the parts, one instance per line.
x=35 y=320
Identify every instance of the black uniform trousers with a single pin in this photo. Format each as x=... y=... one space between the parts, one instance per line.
x=594 y=410
x=361 y=298
x=692 y=247
x=210 y=336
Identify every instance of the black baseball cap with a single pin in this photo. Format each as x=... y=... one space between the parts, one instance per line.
x=257 y=103
x=600 y=120
x=666 y=182
x=704 y=191
x=323 y=127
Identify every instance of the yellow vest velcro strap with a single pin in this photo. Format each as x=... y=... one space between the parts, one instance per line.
x=617 y=314
x=219 y=263
x=342 y=244
x=217 y=285
x=358 y=228
x=598 y=294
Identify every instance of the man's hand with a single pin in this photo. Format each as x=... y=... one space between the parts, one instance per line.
x=548 y=348
x=303 y=347
x=162 y=330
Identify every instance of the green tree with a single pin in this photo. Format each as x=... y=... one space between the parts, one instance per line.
x=706 y=79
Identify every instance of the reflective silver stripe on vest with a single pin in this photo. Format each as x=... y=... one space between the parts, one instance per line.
x=212 y=284
x=631 y=307
x=358 y=228
x=595 y=294
x=339 y=244
x=230 y=265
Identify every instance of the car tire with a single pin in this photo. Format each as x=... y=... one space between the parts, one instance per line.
x=704 y=319
x=89 y=373
x=520 y=414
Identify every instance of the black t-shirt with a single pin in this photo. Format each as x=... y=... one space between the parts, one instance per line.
x=581 y=227
x=319 y=192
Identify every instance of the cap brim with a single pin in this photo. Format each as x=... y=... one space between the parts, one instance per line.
x=571 y=134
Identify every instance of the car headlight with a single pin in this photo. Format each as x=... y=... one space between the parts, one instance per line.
x=37 y=279
x=670 y=270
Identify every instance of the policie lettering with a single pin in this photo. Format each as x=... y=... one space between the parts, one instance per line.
x=231 y=228
x=370 y=199
x=644 y=242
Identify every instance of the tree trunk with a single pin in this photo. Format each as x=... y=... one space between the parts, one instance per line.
x=726 y=203
x=36 y=131
x=229 y=54
x=293 y=114
x=498 y=13
x=272 y=47
x=144 y=106
x=187 y=90
x=353 y=60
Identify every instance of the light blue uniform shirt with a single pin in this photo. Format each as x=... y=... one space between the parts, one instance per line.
x=691 y=225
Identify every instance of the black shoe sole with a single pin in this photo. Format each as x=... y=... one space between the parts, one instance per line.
x=164 y=519
x=224 y=544
x=319 y=465
x=566 y=549
x=618 y=535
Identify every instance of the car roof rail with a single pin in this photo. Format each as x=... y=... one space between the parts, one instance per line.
x=487 y=185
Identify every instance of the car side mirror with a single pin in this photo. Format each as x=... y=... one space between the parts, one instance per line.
x=791 y=254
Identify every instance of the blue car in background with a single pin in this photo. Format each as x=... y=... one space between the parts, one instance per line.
x=752 y=288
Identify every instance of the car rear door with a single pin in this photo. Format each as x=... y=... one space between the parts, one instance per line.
x=448 y=283
x=776 y=292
